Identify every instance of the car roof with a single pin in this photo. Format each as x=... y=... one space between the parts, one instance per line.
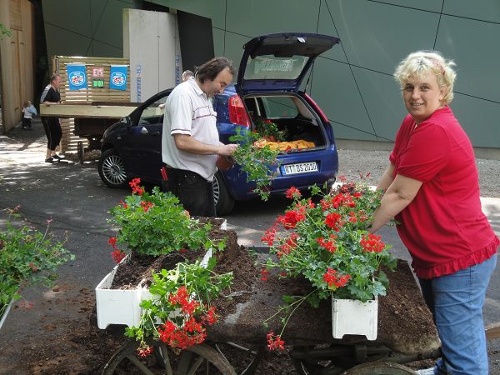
x=279 y=61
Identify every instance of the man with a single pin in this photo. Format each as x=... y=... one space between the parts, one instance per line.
x=190 y=141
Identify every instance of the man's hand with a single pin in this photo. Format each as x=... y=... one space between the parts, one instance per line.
x=227 y=150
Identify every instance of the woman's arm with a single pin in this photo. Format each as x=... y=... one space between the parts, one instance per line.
x=398 y=195
x=387 y=178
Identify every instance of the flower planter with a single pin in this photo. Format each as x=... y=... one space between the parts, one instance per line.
x=352 y=317
x=5 y=313
x=121 y=306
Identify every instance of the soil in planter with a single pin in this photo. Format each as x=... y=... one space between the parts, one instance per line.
x=77 y=346
x=140 y=268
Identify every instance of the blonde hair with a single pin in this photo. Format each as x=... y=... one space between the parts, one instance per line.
x=420 y=63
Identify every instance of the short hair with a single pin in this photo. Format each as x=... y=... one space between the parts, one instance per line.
x=54 y=76
x=212 y=68
x=420 y=63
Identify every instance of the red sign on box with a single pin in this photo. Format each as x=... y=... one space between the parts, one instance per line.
x=98 y=72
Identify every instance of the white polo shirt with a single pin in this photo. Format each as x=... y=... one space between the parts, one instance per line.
x=189 y=111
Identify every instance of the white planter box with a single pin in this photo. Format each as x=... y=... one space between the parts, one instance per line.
x=5 y=313
x=352 y=317
x=121 y=306
x=118 y=306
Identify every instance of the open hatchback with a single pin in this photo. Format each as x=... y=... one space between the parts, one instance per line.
x=268 y=97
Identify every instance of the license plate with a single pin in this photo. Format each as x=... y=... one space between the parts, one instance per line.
x=300 y=168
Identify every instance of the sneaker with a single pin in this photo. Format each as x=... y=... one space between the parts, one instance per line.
x=56 y=157
x=49 y=160
x=426 y=371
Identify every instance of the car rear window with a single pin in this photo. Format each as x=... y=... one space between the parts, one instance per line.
x=271 y=67
x=279 y=107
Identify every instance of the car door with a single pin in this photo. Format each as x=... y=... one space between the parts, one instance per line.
x=143 y=146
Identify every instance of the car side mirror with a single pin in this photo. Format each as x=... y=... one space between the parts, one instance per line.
x=127 y=121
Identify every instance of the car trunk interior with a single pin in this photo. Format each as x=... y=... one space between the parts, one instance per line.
x=285 y=120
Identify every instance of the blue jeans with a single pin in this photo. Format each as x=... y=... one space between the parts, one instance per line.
x=456 y=302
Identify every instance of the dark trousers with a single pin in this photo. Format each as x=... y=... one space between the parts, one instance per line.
x=194 y=192
x=26 y=123
x=53 y=131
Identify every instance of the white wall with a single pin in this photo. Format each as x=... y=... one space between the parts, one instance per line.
x=150 y=43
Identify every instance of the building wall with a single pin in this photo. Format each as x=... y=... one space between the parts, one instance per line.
x=353 y=82
x=16 y=60
x=84 y=27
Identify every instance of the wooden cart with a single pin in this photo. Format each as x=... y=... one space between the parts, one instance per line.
x=309 y=335
x=90 y=120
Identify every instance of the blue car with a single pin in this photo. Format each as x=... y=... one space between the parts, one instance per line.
x=267 y=91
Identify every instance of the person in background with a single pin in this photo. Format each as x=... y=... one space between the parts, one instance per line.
x=190 y=140
x=52 y=125
x=186 y=75
x=432 y=189
x=29 y=111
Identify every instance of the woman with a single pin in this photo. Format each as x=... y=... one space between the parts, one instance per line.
x=432 y=189
x=51 y=125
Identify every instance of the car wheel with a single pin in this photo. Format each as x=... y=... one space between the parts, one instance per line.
x=112 y=170
x=224 y=203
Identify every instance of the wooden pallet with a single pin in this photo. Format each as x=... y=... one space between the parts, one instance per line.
x=97 y=69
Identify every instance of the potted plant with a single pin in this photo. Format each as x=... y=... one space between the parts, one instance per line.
x=327 y=243
x=256 y=159
x=27 y=257
x=179 y=309
x=173 y=304
x=153 y=224
x=155 y=230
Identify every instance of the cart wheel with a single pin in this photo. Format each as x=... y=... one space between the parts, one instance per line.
x=199 y=359
x=380 y=368
x=334 y=359
x=81 y=153
x=312 y=367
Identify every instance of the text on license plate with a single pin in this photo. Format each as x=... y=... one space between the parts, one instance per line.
x=300 y=168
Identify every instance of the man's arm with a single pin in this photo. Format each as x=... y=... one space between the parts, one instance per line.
x=187 y=143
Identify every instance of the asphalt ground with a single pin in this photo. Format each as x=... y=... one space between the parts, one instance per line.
x=74 y=198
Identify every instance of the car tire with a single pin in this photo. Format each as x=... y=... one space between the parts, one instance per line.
x=112 y=169
x=224 y=203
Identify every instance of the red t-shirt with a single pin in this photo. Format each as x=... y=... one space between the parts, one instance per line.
x=444 y=227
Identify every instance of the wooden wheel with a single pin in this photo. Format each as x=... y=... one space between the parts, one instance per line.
x=334 y=359
x=379 y=368
x=197 y=360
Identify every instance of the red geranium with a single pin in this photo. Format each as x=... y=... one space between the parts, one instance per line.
x=328 y=244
